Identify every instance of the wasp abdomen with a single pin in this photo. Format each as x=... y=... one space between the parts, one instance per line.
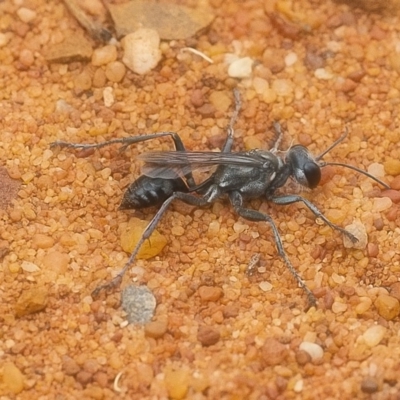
x=147 y=192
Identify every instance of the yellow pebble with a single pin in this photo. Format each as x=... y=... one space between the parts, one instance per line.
x=388 y=307
x=132 y=234
x=13 y=378
x=392 y=167
x=177 y=383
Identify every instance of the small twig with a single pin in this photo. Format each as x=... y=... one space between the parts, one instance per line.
x=197 y=52
x=116 y=386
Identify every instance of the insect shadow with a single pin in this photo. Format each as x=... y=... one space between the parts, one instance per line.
x=240 y=176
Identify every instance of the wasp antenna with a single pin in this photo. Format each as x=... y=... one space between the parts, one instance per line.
x=346 y=132
x=324 y=164
x=279 y=133
x=238 y=106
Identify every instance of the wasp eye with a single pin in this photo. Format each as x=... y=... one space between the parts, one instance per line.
x=312 y=172
x=304 y=169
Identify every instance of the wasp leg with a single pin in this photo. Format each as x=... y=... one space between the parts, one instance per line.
x=226 y=148
x=290 y=199
x=253 y=215
x=187 y=198
x=128 y=141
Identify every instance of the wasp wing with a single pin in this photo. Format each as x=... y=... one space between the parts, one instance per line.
x=171 y=164
x=168 y=171
x=200 y=158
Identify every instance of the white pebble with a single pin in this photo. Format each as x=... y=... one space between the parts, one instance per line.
x=63 y=107
x=138 y=271
x=87 y=300
x=141 y=50
x=322 y=73
x=290 y=59
x=382 y=204
x=265 y=286
x=28 y=266
x=373 y=335
x=108 y=96
x=9 y=343
x=298 y=386
x=338 y=279
x=338 y=307
x=377 y=170
x=26 y=15
x=213 y=228
x=314 y=350
x=282 y=87
x=260 y=85
x=241 y=68
x=359 y=231
x=239 y=227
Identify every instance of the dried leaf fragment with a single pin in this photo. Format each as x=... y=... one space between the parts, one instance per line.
x=170 y=20
x=95 y=29
x=75 y=47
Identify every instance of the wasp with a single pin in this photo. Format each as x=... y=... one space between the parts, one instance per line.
x=239 y=176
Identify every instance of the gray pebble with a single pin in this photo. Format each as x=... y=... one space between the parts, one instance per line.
x=139 y=303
